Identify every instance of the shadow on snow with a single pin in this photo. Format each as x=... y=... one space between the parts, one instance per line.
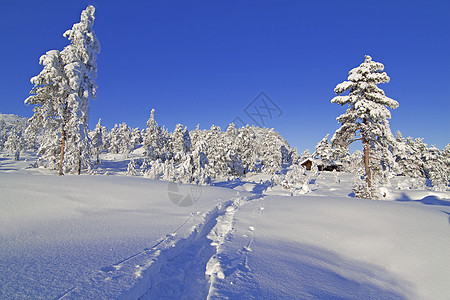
x=306 y=272
x=429 y=200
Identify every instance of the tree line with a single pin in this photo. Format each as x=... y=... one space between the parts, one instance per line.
x=58 y=131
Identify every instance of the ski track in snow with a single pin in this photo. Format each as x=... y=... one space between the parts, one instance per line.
x=183 y=268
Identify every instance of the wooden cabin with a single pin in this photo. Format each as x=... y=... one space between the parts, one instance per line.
x=307 y=163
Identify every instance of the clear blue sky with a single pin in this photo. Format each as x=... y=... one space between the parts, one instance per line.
x=205 y=61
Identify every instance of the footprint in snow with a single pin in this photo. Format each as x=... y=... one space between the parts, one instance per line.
x=108 y=269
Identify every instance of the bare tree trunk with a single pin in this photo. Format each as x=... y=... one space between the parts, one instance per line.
x=63 y=148
x=79 y=163
x=63 y=142
x=366 y=157
x=367 y=163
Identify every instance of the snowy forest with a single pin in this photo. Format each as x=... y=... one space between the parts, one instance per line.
x=59 y=135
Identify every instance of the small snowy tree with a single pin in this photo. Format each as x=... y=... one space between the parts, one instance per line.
x=366 y=119
x=97 y=140
x=409 y=157
x=153 y=138
x=201 y=164
x=181 y=142
x=144 y=167
x=155 y=170
x=446 y=160
x=136 y=138
x=14 y=144
x=271 y=152
x=105 y=138
x=169 y=171
x=124 y=139
x=305 y=155
x=356 y=164
x=131 y=170
x=295 y=177
x=114 y=140
x=31 y=137
x=323 y=151
x=436 y=169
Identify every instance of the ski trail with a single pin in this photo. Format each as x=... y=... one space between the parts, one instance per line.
x=174 y=268
x=221 y=264
x=191 y=268
x=111 y=274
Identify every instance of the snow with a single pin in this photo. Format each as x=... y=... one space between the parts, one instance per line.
x=11 y=119
x=121 y=236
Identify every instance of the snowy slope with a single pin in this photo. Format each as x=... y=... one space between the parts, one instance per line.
x=64 y=233
x=319 y=247
x=11 y=119
x=122 y=237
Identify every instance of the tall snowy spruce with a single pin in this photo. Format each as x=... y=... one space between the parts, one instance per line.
x=61 y=96
x=366 y=119
x=97 y=140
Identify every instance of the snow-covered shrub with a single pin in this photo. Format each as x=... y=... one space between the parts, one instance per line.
x=131 y=171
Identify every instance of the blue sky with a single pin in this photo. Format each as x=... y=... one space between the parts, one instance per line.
x=203 y=62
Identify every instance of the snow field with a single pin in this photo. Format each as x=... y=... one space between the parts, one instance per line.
x=88 y=233
x=103 y=237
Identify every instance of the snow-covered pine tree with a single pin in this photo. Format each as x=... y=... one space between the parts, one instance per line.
x=366 y=119
x=49 y=113
x=323 y=151
x=201 y=164
x=3 y=134
x=305 y=155
x=144 y=167
x=408 y=157
x=235 y=165
x=97 y=140
x=31 y=138
x=125 y=142
x=421 y=152
x=232 y=156
x=114 y=140
x=105 y=138
x=169 y=171
x=136 y=138
x=295 y=177
x=181 y=143
x=435 y=169
x=342 y=156
x=165 y=144
x=131 y=170
x=271 y=154
x=156 y=170
x=446 y=159
x=61 y=96
x=295 y=157
x=217 y=152
x=14 y=144
x=196 y=136
x=356 y=164
x=186 y=169
x=400 y=151
x=152 y=138
x=245 y=141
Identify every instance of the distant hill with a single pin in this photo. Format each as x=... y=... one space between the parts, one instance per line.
x=12 y=120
